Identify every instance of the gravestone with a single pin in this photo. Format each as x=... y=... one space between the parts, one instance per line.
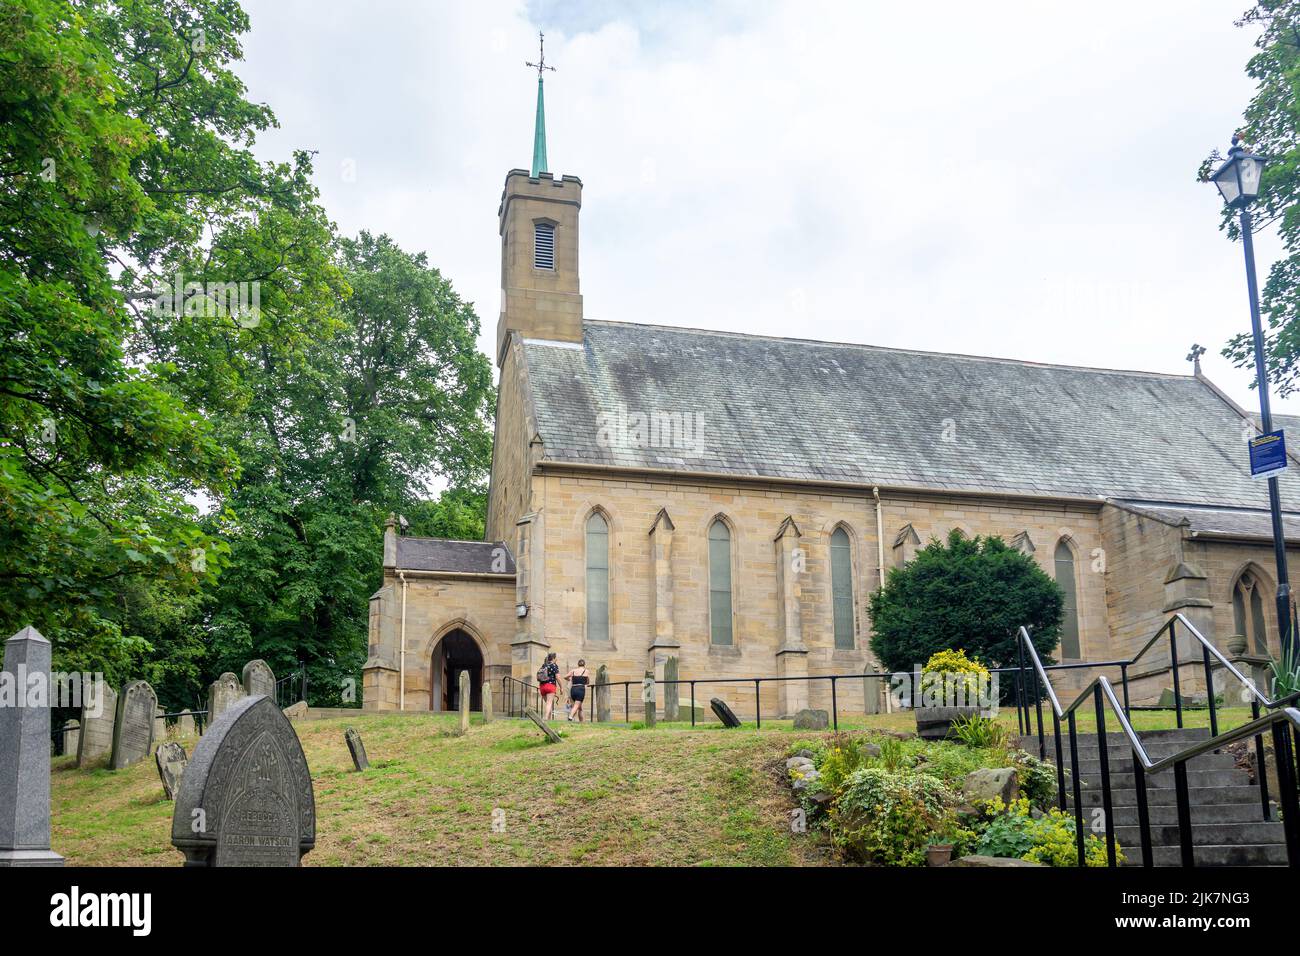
x=487 y=702
x=551 y=735
x=246 y=797
x=296 y=710
x=601 y=693
x=358 y=750
x=171 y=766
x=648 y=697
x=258 y=679
x=672 y=709
x=724 y=713
x=71 y=737
x=25 y=754
x=185 y=724
x=159 y=725
x=223 y=693
x=133 y=735
x=808 y=719
x=463 y=697
x=97 y=723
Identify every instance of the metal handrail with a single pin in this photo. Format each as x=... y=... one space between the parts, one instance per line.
x=1264 y=700
x=1100 y=690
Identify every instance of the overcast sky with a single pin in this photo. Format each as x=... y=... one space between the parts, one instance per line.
x=1008 y=179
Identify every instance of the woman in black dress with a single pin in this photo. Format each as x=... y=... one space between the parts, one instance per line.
x=578 y=679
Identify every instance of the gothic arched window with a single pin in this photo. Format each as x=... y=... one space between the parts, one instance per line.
x=597 y=577
x=1248 y=612
x=719 y=583
x=1070 y=613
x=842 y=588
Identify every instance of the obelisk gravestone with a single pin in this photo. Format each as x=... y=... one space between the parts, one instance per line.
x=25 y=754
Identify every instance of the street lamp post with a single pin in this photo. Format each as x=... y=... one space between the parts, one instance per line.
x=1238 y=182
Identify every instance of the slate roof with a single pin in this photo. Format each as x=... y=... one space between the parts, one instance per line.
x=1221 y=522
x=440 y=554
x=797 y=409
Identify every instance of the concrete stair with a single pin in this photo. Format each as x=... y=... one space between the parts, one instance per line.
x=1228 y=824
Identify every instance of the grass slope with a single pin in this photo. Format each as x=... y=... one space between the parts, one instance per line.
x=605 y=796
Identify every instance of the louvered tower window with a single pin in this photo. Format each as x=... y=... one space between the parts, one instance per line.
x=543 y=245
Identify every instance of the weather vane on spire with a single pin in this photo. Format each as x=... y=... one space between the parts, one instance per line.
x=541 y=56
x=539 y=129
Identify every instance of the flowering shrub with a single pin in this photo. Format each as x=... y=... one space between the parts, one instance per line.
x=888 y=818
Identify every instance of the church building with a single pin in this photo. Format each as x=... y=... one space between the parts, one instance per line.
x=732 y=500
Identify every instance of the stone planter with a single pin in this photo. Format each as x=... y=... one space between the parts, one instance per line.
x=933 y=723
x=938 y=854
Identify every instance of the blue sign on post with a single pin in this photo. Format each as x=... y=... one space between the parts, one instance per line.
x=1267 y=455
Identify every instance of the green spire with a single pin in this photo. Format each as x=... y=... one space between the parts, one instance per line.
x=539 y=130
x=539 y=134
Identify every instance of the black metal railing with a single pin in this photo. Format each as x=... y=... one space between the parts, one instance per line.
x=1282 y=721
x=517 y=694
x=291 y=688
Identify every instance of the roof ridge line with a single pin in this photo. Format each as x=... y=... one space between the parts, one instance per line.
x=889 y=348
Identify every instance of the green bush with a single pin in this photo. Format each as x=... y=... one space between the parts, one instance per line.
x=978 y=589
x=1037 y=779
x=842 y=756
x=893 y=755
x=977 y=731
x=1048 y=839
x=887 y=819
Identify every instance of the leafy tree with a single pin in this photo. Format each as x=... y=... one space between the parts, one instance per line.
x=458 y=513
x=968 y=594
x=96 y=453
x=355 y=428
x=1272 y=129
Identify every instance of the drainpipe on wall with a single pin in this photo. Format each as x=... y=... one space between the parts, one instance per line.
x=880 y=565
x=401 y=651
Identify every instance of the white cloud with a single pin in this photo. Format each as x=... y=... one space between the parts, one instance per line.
x=1012 y=179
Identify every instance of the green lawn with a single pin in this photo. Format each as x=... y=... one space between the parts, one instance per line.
x=608 y=795
x=605 y=796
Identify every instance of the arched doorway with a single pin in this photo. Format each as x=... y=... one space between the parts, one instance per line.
x=457 y=651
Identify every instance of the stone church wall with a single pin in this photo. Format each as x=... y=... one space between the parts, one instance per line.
x=756 y=512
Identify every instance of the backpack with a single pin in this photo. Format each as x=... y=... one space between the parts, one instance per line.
x=544 y=674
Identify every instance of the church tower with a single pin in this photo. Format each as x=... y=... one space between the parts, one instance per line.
x=539 y=246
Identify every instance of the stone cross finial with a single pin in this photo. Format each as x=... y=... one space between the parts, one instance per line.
x=1194 y=356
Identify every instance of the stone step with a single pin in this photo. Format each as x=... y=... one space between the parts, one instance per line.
x=1167 y=814
x=1156 y=750
x=1178 y=734
x=1203 y=834
x=1165 y=779
x=1091 y=768
x=1167 y=796
x=1240 y=854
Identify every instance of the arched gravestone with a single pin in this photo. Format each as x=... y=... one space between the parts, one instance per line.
x=259 y=679
x=133 y=734
x=246 y=796
x=222 y=693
